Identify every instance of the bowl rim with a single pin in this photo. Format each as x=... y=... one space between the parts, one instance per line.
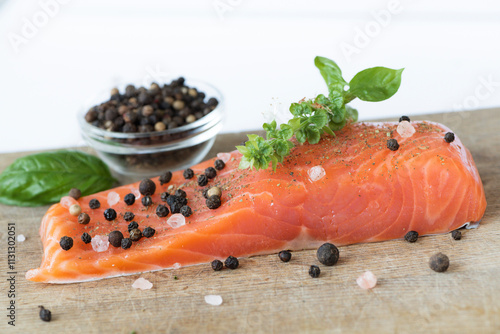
x=217 y=113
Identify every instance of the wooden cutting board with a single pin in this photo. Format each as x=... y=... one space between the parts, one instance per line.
x=265 y=295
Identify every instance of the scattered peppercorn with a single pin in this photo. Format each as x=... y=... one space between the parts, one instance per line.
x=75 y=210
x=129 y=199
x=285 y=255
x=314 y=271
x=126 y=243
x=147 y=201
x=115 y=238
x=147 y=187
x=219 y=164
x=165 y=177
x=180 y=193
x=188 y=174
x=411 y=236
x=202 y=180
x=75 y=193
x=83 y=218
x=217 y=265
x=176 y=207
x=449 y=137
x=128 y=216
x=135 y=234
x=161 y=211
x=213 y=202
x=232 y=262
x=328 y=254
x=204 y=192
x=439 y=262
x=404 y=118
x=186 y=211
x=456 y=235
x=110 y=214
x=86 y=238
x=148 y=232
x=392 y=144
x=164 y=196
x=94 y=204
x=45 y=314
x=210 y=172
x=132 y=226
x=66 y=243
x=214 y=191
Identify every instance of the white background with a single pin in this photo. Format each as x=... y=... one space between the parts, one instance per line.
x=254 y=51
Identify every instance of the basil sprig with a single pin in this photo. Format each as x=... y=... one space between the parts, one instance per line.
x=314 y=117
x=44 y=178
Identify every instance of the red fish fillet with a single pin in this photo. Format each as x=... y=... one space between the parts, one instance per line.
x=368 y=193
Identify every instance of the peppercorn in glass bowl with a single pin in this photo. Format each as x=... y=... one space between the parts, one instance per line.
x=143 y=132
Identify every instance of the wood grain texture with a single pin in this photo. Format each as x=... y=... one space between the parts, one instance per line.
x=266 y=295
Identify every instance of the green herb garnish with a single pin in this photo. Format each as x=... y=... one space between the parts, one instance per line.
x=312 y=118
x=44 y=178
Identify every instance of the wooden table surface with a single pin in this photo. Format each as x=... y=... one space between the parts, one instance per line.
x=266 y=295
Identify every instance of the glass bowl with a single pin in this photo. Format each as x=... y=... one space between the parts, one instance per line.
x=153 y=153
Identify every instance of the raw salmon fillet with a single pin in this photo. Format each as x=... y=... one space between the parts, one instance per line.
x=368 y=193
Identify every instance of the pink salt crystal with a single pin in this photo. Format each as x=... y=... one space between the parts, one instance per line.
x=367 y=280
x=100 y=243
x=176 y=220
x=67 y=201
x=316 y=173
x=405 y=129
x=224 y=156
x=136 y=193
x=113 y=198
x=142 y=283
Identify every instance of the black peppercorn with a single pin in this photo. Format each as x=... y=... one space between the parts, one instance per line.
x=128 y=216
x=83 y=218
x=132 y=225
x=109 y=214
x=161 y=211
x=148 y=232
x=449 y=137
x=285 y=255
x=176 y=207
x=135 y=234
x=186 y=211
x=165 y=177
x=180 y=193
x=328 y=254
x=147 y=201
x=86 y=238
x=75 y=193
x=456 y=235
x=392 y=144
x=45 y=314
x=217 y=265
x=115 y=238
x=129 y=199
x=314 y=271
x=213 y=202
x=126 y=243
x=210 y=172
x=188 y=173
x=232 y=262
x=94 y=204
x=411 y=236
x=439 y=262
x=404 y=118
x=66 y=243
x=219 y=164
x=147 y=187
x=164 y=196
x=202 y=180
x=204 y=192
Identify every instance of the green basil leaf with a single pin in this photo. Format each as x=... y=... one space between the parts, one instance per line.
x=280 y=147
x=44 y=178
x=375 y=84
x=351 y=114
x=243 y=150
x=301 y=136
x=328 y=130
x=331 y=72
x=313 y=135
x=285 y=132
x=320 y=118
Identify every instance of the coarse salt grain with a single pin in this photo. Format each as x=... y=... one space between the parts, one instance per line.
x=214 y=300
x=67 y=201
x=136 y=193
x=142 y=283
x=113 y=198
x=21 y=238
x=224 y=156
x=405 y=129
x=367 y=281
x=100 y=243
x=176 y=220
x=316 y=173
x=176 y=265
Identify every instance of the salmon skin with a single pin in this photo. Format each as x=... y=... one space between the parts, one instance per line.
x=368 y=193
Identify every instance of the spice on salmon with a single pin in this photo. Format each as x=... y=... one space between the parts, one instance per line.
x=83 y=218
x=86 y=238
x=147 y=201
x=128 y=216
x=66 y=243
x=392 y=144
x=217 y=265
x=126 y=243
x=439 y=262
x=164 y=196
x=161 y=211
x=314 y=271
x=449 y=137
x=210 y=172
x=129 y=199
x=213 y=202
x=404 y=118
x=75 y=210
x=165 y=177
x=188 y=173
x=214 y=191
x=132 y=225
x=202 y=180
x=75 y=193
x=411 y=236
x=148 y=232
x=219 y=164
x=135 y=234
x=232 y=262
x=186 y=211
x=328 y=254
x=147 y=187
x=285 y=255
x=110 y=214
x=115 y=238
x=94 y=204
x=180 y=193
